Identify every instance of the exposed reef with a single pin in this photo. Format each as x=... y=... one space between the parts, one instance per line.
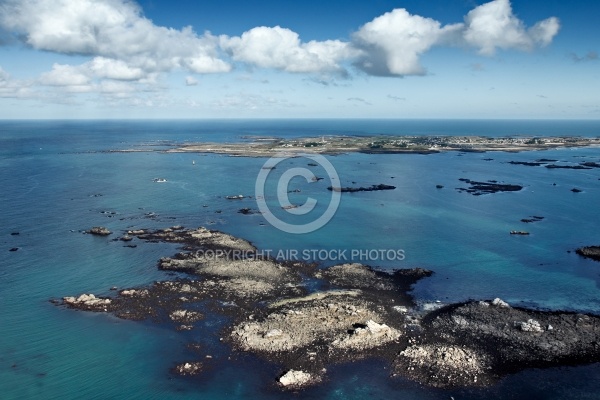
x=533 y=218
x=475 y=343
x=592 y=252
x=99 y=231
x=371 y=188
x=548 y=163
x=357 y=312
x=479 y=188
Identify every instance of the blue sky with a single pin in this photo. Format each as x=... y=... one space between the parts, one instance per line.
x=310 y=59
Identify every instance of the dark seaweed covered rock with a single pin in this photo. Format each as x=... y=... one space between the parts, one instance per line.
x=556 y=166
x=533 y=218
x=478 y=188
x=590 y=164
x=592 y=252
x=372 y=188
x=474 y=343
x=526 y=163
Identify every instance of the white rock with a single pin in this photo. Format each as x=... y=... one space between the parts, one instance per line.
x=375 y=328
x=295 y=378
x=85 y=297
x=185 y=288
x=500 y=303
x=178 y=314
x=273 y=333
x=530 y=325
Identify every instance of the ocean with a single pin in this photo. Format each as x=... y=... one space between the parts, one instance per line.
x=59 y=178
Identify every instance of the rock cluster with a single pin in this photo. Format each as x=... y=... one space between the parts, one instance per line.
x=188 y=368
x=358 y=312
x=89 y=302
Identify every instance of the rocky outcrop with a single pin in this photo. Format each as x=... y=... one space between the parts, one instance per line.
x=527 y=163
x=372 y=188
x=478 y=188
x=314 y=324
x=188 y=368
x=590 y=164
x=592 y=252
x=533 y=218
x=185 y=316
x=89 y=302
x=99 y=231
x=567 y=166
x=200 y=238
x=295 y=379
x=491 y=339
x=367 y=336
x=357 y=312
x=443 y=366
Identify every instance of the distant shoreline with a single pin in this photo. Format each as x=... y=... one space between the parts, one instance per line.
x=265 y=146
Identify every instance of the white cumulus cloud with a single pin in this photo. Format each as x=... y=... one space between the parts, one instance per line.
x=114 y=69
x=64 y=75
x=127 y=55
x=111 y=29
x=281 y=48
x=493 y=25
x=393 y=42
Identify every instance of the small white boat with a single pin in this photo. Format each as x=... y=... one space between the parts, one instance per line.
x=159 y=180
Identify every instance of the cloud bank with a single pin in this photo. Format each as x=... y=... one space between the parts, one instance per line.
x=127 y=50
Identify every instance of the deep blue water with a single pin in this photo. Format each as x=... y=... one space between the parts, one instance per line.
x=56 y=180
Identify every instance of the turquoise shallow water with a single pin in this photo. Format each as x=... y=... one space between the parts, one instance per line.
x=55 y=184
